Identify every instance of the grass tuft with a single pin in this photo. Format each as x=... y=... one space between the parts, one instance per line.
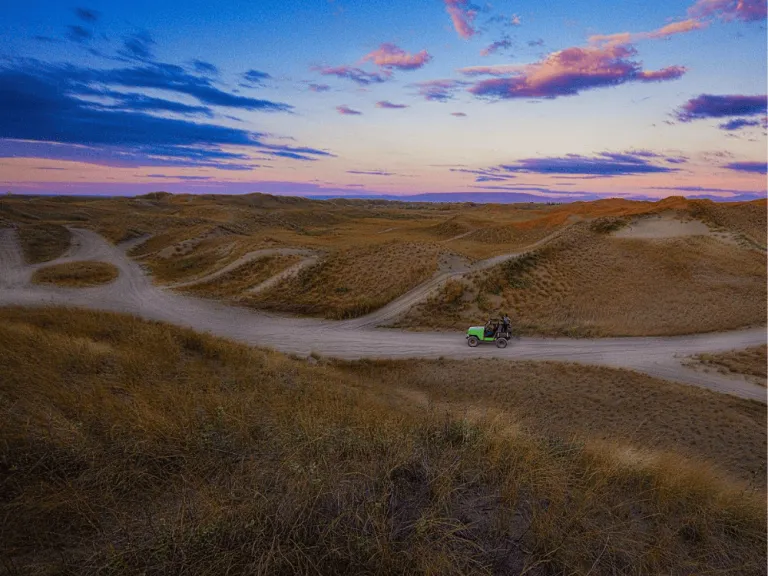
x=76 y=274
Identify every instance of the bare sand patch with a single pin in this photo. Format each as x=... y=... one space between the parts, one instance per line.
x=663 y=226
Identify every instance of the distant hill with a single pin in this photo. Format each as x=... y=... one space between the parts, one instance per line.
x=479 y=197
x=515 y=197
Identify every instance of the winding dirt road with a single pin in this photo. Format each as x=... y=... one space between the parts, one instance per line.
x=134 y=293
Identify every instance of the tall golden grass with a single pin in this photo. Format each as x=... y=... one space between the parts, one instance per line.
x=76 y=274
x=43 y=242
x=591 y=284
x=196 y=235
x=748 y=362
x=136 y=447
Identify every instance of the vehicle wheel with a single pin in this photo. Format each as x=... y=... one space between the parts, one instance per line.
x=473 y=341
x=501 y=343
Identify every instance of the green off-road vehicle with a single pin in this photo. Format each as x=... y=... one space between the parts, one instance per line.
x=494 y=331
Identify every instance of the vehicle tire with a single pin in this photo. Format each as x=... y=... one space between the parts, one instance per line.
x=472 y=341
x=501 y=343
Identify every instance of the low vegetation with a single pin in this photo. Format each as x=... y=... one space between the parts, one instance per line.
x=76 y=274
x=591 y=403
x=749 y=362
x=586 y=281
x=590 y=284
x=43 y=242
x=136 y=447
x=234 y=284
x=352 y=282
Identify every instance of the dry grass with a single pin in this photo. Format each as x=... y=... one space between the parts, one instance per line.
x=593 y=403
x=76 y=274
x=43 y=242
x=570 y=293
x=748 y=362
x=588 y=283
x=135 y=447
x=353 y=282
x=233 y=284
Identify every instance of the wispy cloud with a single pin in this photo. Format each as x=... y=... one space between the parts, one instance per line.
x=202 y=67
x=462 y=15
x=754 y=167
x=389 y=56
x=605 y=164
x=347 y=111
x=663 y=32
x=138 y=46
x=739 y=123
x=256 y=77
x=722 y=106
x=357 y=75
x=438 y=90
x=371 y=172
x=87 y=15
x=49 y=107
x=574 y=70
x=458 y=114
x=728 y=10
x=504 y=44
x=386 y=104
x=319 y=87
x=78 y=33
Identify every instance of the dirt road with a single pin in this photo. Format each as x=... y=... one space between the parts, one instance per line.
x=134 y=293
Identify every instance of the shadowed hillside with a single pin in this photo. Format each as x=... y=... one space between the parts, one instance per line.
x=136 y=447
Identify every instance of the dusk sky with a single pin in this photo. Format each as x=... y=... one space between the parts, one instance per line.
x=560 y=98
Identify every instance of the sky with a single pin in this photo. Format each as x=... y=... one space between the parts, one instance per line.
x=563 y=99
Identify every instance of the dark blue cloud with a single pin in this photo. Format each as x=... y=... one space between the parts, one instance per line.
x=604 y=164
x=175 y=79
x=492 y=174
x=138 y=46
x=357 y=75
x=78 y=33
x=142 y=103
x=40 y=103
x=87 y=15
x=203 y=67
x=739 y=123
x=256 y=77
x=755 y=167
x=722 y=106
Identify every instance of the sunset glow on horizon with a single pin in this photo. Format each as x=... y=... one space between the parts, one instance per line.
x=568 y=100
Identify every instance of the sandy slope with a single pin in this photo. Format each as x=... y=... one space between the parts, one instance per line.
x=134 y=293
x=245 y=259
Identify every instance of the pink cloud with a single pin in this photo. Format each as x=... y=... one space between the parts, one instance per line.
x=355 y=74
x=677 y=28
x=319 y=87
x=458 y=114
x=574 y=70
x=462 y=17
x=345 y=110
x=389 y=105
x=622 y=38
x=728 y=10
x=391 y=56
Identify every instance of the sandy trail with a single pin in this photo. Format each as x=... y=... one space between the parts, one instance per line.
x=244 y=259
x=134 y=293
x=289 y=272
x=403 y=303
